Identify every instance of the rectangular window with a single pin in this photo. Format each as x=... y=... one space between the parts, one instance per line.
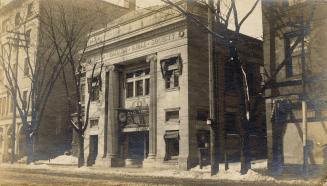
x=26 y=67
x=171 y=69
x=293 y=58
x=28 y=37
x=139 y=88
x=94 y=87
x=5 y=25
x=94 y=123
x=130 y=90
x=147 y=86
x=17 y=19
x=24 y=103
x=29 y=9
x=172 y=116
x=138 y=80
x=202 y=115
x=288 y=57
x=172 y=79
x=95 y=93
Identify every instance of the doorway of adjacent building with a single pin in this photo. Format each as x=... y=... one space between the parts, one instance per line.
x=93 y=149
x=22 y=145
x=172 y=145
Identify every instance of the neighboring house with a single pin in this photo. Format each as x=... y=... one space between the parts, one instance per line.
x=150 y=103
x=55 y=133
x=287 y=92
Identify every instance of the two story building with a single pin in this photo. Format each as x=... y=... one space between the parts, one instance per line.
x=294 y=57
x=150 y=103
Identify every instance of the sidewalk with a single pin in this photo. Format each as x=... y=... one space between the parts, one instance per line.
x=257 y=173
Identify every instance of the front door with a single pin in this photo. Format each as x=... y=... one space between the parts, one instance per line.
x=93 y=149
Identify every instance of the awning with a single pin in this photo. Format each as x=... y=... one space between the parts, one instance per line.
x=171 y=134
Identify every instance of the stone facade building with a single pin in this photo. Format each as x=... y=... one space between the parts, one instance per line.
x=300 y=79
x=151 y=101
x=54 y=135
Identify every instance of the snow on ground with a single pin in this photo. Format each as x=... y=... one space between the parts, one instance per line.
x=64 y=159
x=256 y=173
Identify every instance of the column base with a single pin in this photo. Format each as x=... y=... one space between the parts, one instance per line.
x=186 y=163
x=150 y=162
x=109 y=161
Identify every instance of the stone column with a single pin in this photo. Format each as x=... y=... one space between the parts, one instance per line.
x=112 y=156
x=152 y=59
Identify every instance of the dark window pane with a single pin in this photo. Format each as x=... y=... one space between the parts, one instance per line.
x=288 y=56
x=147 y=71
x=17 y=19
x=176 y=79
x=147 y=86
x=26 y=67
x=95 y=93
x=94 y=123
x=168 y=79
x=24 y=99
x=172 y=115
x=129 y=90
x=139 y=88
x=202 y=115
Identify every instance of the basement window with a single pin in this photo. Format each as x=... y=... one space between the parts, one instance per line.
x=94 y=123
x=172 y=115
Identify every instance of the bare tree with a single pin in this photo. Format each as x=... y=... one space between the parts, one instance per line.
x=68 y=26
x=42 y=75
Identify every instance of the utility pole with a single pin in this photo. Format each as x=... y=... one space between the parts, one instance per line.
x=214 y=160
x=304 y=103
x=14 y=98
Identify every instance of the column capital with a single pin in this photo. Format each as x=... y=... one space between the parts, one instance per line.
x=110 y=68
x=151 y=57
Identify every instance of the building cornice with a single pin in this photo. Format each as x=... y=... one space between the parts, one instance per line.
x=141 y=34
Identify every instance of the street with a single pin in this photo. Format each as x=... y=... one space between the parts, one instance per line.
x=43 y=176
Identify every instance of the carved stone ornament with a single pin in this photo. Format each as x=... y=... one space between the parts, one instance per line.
x=171 y=63
x=150 y=58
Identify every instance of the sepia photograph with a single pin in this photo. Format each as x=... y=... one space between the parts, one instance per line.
x=163 y=92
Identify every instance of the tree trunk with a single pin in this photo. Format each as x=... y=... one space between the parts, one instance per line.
x=30 y=138
x=80 y=150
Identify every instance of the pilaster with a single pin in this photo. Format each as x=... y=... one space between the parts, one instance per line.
x=150 y=161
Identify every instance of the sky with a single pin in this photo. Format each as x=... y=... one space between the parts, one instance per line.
x=252 y=26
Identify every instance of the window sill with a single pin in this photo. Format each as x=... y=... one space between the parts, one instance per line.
x=172 y=89
x=137 y=97
x=177 y=122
